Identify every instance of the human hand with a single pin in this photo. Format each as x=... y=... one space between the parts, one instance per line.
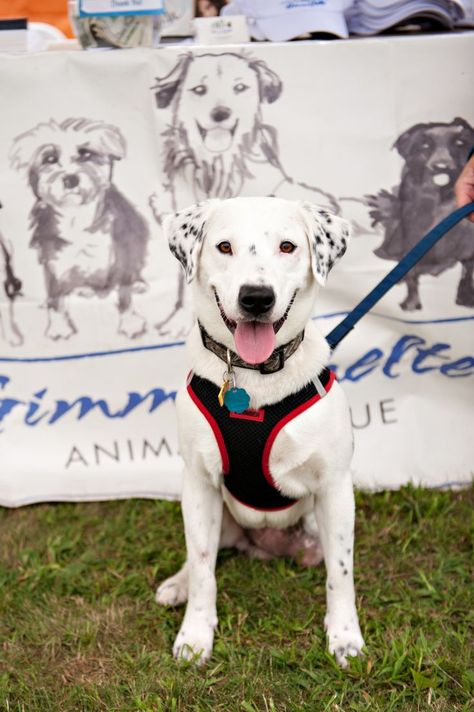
x=464 y=187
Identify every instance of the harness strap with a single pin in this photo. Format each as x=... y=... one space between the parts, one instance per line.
x=395 y=275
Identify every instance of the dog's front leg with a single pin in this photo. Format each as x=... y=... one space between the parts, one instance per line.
x=202 y=513
x=335 y=516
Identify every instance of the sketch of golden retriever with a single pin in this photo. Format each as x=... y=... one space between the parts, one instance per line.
x=217 y=144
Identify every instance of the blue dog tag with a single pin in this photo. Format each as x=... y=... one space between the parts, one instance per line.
x=236 y=400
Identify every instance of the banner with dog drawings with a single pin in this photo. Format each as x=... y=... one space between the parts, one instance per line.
x=95 y=148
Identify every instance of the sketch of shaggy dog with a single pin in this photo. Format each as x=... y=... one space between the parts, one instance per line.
x=90 y=239
x=217 y=144
x=12 y=289
x=434 y=155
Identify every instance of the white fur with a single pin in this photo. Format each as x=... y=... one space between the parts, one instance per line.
x=311 y=456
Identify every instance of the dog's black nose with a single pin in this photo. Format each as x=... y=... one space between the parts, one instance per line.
x=255 y=299
x=220 y=113
x=71 y=181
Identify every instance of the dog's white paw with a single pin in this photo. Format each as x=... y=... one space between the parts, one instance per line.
x=194 y=640
x=344 y=639
x=132 y=324
x=60 y=326
x=173 y=591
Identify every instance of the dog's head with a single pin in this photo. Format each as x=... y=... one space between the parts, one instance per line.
x=436 y=152
x=216 y=98
x=70 y=163
x=255 y=264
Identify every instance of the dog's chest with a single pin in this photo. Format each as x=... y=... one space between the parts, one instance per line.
x=87 y=253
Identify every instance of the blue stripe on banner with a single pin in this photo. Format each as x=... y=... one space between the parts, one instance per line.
x=93 y=354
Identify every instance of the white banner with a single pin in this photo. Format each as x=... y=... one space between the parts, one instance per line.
x=96 y=147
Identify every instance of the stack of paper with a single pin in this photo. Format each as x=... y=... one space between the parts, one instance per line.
x=369 y=17
x=468 y=19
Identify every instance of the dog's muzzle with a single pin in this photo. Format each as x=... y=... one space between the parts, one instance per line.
x=218 y=138
x=254 y=336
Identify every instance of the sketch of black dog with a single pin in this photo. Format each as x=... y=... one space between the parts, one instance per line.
x=434 y=155
x=217 y=144
x=89 y=237
x=12 y=289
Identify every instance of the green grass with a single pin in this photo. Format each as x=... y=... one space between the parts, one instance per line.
x=79 y=629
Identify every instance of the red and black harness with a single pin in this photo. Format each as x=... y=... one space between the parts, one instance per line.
x=245 y=439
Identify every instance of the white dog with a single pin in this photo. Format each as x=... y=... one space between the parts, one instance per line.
x=256 y=264
x=90 y=238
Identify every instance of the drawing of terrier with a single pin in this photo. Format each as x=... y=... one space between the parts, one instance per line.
x=89 y=237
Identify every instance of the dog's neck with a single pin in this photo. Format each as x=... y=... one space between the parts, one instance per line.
x=306 y=362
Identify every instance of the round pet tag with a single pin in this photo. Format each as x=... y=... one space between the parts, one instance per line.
x=236 y=400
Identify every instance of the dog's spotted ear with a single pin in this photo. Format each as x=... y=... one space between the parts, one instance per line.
x=185 y=232
x=328 y=237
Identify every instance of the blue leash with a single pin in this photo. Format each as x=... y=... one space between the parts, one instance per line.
x=395 y=275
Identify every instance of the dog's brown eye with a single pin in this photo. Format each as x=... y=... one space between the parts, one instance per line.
x=240 y=87
x=200 y=89
x=225 y=248
x=287 y=247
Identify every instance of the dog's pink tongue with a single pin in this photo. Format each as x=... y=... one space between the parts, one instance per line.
x=254 y=341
